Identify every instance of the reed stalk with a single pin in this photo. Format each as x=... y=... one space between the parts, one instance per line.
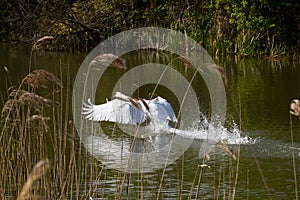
x=38 y=171
x=293 y=157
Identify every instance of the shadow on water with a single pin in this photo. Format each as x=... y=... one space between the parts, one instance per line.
x=265 y=88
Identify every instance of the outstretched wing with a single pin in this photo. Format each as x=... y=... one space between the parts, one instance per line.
x=115 y=110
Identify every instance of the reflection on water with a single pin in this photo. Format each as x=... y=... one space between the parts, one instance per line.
x=261 y=89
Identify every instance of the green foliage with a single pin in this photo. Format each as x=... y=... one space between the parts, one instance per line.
x=243 y=27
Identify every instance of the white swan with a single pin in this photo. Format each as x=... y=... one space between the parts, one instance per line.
x=156 y=113
x=151 y=117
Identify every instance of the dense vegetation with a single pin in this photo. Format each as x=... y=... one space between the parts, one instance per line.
x=242 y=27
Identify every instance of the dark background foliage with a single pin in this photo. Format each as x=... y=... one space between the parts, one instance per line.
x=242 y=27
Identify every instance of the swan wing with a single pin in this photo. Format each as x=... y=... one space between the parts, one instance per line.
x=116 y=110
x=163 y=107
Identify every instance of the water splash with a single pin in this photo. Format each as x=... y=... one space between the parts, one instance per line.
x=134 y=155
x=216 y=132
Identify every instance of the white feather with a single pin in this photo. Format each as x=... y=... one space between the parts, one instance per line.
x=115 y=111
x=121 y=110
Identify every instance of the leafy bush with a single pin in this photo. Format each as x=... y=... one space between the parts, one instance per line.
x=247 y=27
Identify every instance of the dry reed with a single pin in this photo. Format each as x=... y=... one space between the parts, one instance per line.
x=17 y=97
x=23 y=97
x=215 y=67
x=9 y=106
x=225 y=147
x=38 y=171
x=25 y=121
x=40 y=40
x=109 y=60
x=41 y=78
x=294 y=110
x=36 y=101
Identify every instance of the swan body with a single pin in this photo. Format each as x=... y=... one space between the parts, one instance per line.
x=156 y=113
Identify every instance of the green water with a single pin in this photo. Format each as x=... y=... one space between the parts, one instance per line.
x=260 y=88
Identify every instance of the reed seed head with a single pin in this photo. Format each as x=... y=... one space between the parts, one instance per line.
x=41 y=78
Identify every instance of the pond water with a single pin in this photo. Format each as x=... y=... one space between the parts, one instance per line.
x=258 y=97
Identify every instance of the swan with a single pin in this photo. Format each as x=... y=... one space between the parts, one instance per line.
x=156 y=113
